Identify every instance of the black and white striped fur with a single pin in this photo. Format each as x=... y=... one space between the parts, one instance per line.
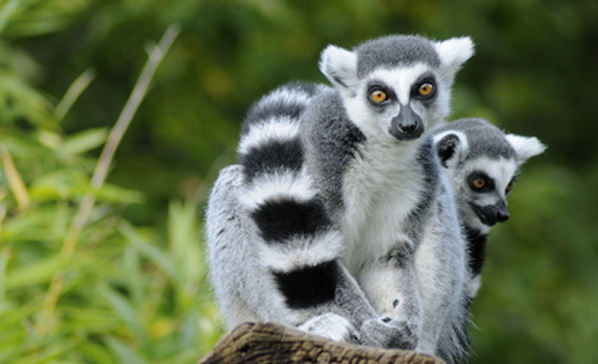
x=337 y=219
x=473 y=149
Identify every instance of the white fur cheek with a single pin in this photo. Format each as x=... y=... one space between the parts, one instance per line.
x=302 y=252
x=441 y=107
x=361 y=116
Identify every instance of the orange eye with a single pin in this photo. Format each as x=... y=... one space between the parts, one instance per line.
x=378 y=96
x=479 y=183
x=425 y=89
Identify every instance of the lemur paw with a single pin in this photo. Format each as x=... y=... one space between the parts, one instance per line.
x=388 y=333
x=331 y=326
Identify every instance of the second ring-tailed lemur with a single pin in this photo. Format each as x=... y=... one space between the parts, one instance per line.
x=481 y=163
x=337 y=219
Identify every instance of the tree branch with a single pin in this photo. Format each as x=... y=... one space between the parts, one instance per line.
x=274 y=344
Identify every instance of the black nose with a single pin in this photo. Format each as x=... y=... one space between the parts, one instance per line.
x=407 y=125
x=501 y=211
x=502 y=215
x=491 y=214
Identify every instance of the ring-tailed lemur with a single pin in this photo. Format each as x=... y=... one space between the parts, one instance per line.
x=481 y=163
x=337 y=219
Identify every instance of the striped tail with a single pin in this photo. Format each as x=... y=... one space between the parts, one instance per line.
x=300 y=244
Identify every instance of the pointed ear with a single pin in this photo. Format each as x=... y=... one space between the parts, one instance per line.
x=454 y=52
x=340 y=67
x=451 y=147
x=525 y=147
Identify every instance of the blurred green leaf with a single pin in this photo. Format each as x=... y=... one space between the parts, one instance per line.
x=41 y=17
x=96 y=353
x=48 y=354
x=18 y=60
x=156 y=255
x=83 y=142
x=185 y=245
x=124 y=353
x=3 y=262
x=35 y=273
x=124 y=311
x=19 y=100
x=115 y=194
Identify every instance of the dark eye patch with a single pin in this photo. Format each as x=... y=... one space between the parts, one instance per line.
x=479 y=181
x=378 y=85
x=425 y=79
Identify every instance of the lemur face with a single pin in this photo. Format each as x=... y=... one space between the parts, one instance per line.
x=485 y=184
x=396 y=87
x=481 y=163
x=399 y=103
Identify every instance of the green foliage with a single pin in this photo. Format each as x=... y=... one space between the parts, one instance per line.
x=134 y=289
x=129 y=294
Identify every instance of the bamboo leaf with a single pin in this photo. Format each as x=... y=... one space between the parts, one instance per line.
x=115 y=194
x=6 y=13
x=35 y=273
x=133 y=274
x=36 y=18
x=83 y=142
x=15 y=182
x=96 y=353
x=90 y=318
x=25 y=101
x=47 y=354
x=61 y=184
x=3 y=262
x=123 y=352
x=156 y=255
x=73 y=93
x=124 y=310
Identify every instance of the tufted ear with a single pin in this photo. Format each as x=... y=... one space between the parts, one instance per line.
x=451 y=147
x=340 y=67
x=454 y=52
x=525 y=147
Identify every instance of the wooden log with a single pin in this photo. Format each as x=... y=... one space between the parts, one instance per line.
x=268 y=343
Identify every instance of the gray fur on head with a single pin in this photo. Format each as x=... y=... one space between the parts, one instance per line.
x=344 y=68
x=393 y=51
x=490 y=141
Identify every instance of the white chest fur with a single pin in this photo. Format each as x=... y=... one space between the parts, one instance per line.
x=381 y=187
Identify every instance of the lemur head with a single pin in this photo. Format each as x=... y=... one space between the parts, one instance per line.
x=397 y=86
x=481 y=163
